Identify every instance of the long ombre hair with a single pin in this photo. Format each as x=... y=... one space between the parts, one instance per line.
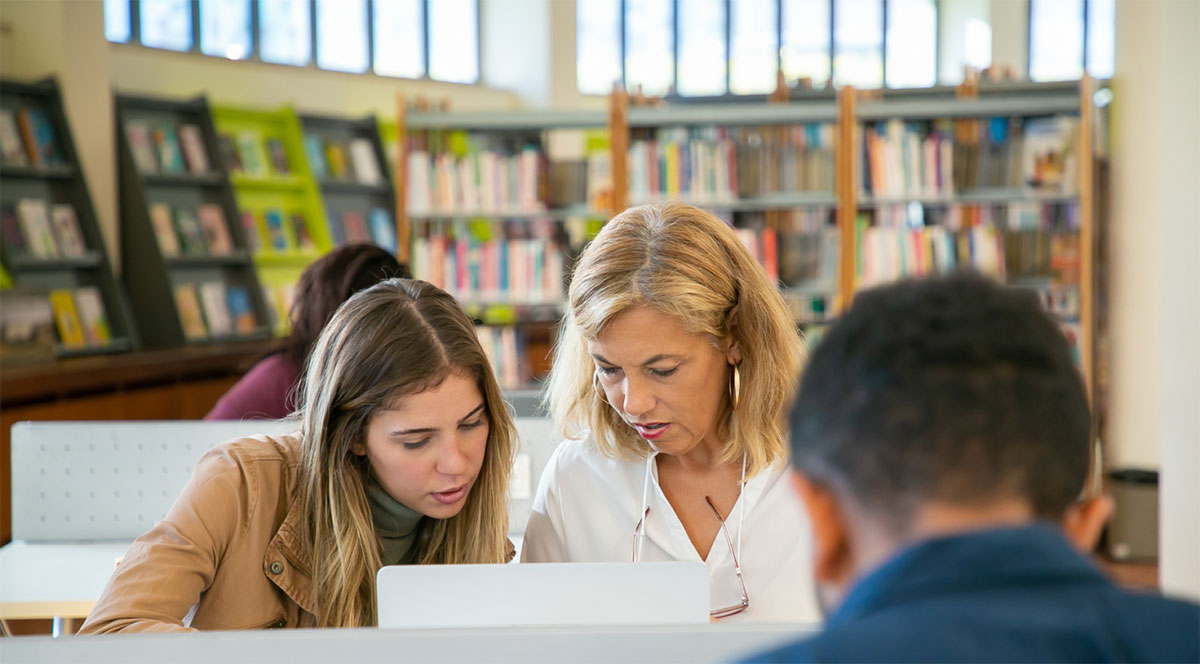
x=685 y=263
x=397 y=338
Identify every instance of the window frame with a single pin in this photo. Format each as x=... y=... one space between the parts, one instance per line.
x=254 y=55
x=729 y=95
x=1083 y=54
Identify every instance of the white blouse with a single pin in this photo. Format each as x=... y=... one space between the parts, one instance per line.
x=588 y=505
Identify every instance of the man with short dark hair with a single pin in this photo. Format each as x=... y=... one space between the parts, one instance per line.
x=941 y=442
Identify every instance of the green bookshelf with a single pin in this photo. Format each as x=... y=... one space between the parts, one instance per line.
x=263 y=152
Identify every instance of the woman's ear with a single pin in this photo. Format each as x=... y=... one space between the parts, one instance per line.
x=358 y=448
x=733 y=351
x=832 y=555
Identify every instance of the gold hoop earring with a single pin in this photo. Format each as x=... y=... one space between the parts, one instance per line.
x=735 y=388
x=599 y=390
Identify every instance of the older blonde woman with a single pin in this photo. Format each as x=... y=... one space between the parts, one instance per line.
x=672 y=371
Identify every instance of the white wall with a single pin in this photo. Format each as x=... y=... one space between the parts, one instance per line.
x=1010 y=35
x=952 y=39
x=1156 y=268
x=43 y=39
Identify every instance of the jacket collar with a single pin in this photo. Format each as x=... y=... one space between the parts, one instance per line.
x=992 y=559
x=293 y=561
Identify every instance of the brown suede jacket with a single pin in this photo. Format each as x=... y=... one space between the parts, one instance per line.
x=225 y=557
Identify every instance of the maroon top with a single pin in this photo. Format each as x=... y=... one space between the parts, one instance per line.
x=264 y=393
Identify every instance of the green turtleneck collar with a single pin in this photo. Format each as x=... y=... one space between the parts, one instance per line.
x=396 y=524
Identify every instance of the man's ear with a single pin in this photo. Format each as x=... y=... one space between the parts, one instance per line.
x=1083 y=521
x=832 y=559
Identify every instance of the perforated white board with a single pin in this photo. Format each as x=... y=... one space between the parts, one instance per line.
x=439 y=596
x=537 y=444
x=79 y=481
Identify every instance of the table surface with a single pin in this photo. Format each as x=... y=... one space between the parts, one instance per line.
x=49 y=580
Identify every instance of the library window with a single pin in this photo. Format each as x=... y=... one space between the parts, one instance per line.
x=225 y=28
x=438 y=39
x=706 y=48
x=1068 y=36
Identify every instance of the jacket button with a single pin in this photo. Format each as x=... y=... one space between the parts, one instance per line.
x=276 y=567
x=282 y=622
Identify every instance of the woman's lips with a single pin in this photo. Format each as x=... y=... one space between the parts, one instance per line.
x=451 y=496
x=652 y=431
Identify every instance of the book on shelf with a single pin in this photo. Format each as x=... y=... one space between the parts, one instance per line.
x=337 y=161
x=304 y=241
x=191 y=236
x=250 y=153
x=251 y=229
x=66 y=319
x=241 y=310
x=216 y=232
x=277 y=156
x=191 y=139
x=10 y=233
x=229 y=153
x=163 y=224
x=354 y=228
x=214 y=300
x=1050 y=153
x=170 y=158
x=66 y=231
x=279 y=298
x=362 y=156
x=507 y=351
x=275 y=232
x=191 y=317
x=92 y=315
x=40 y=140
x=35 y=223
x=316 y=156
x=12 y=150
x=383 y=228
x=137 y=132
x=27 y=325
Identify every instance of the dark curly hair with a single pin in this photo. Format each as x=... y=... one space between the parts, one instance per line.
x=954 y=389
x=327 y=283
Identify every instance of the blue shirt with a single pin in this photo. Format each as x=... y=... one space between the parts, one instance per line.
x=1019 y=594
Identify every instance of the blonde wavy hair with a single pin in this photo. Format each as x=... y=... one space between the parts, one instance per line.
x=686 y=263
x=397 y=338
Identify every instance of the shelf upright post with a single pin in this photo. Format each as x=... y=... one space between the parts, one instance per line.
x=403 y=244
x=618 y=141
x=1087 y=236
x=845 y=155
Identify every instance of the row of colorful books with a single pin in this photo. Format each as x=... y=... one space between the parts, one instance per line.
x=251 y=153
x=275 y=230
x=513 y=270
x=719 y=164
x=379 y=227
x=35 y=229
x=507 y=351
x=1013 y=216
x=889 y=253
x=27 y=138
x=38 y=320
x=940 y=157
x=797 y=248
x=352 y=160
x=479 y=181
x=213 y=309
x=183 y=230
x=163 y=147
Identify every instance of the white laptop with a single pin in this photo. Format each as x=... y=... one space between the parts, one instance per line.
x=435 y=596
